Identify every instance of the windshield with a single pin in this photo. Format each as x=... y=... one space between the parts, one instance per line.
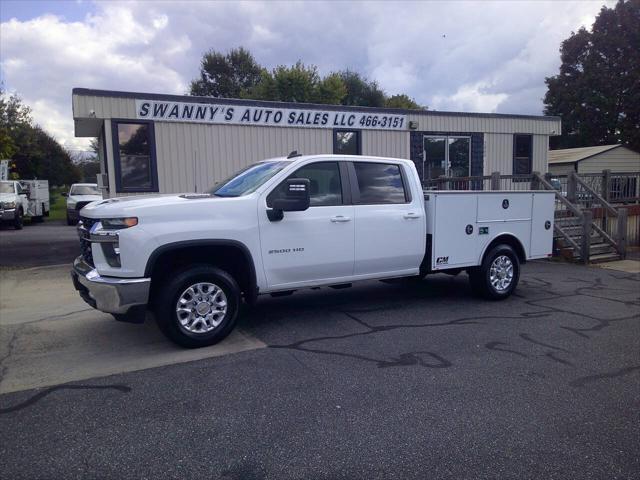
x=248 y=179
x=6 y=187
x=84 y=190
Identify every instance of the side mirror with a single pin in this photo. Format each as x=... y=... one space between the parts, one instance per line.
x=296 y=199
x=65 y=194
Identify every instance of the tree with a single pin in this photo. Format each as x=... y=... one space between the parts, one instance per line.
x=360 y=91
x=402 y=101
x=237 y=75
x=13 y=116
x=34 y=153
x=597 y=91
x=298 y=83
x=226 y=75
x=330 y=90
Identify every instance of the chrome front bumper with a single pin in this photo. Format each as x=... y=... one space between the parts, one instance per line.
x=108 y=294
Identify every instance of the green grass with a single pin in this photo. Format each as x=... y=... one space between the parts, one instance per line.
x=58 y=207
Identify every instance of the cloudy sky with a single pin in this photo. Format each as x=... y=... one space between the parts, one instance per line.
x=455 y=55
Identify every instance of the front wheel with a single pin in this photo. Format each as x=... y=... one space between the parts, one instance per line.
x=198 y=306
x=498 y=275
x=18 y=221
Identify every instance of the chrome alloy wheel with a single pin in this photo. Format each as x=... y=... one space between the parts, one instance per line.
x=201 y=307
x=501 y=273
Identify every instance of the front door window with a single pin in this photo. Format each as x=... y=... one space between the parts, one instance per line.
x=446 y=156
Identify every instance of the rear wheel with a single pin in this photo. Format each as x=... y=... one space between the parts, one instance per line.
x=198 y=306
x=498 y=275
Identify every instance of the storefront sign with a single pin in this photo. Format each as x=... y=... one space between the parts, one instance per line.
x=266 y=116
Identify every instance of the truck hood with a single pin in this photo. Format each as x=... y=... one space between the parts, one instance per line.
x=83 y=198
x=151 y=205
x=8 y=197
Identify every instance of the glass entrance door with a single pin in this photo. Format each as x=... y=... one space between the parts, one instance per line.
x=435 y=157
x=448 y=156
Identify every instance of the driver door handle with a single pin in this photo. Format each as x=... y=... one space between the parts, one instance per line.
x=411 y=215
x=340 y=219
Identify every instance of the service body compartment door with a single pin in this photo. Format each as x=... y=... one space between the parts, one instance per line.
x=541 y=236
x=504 y=206
x=454 y=230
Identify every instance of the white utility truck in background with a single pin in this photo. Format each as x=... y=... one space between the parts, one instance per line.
x=24 y=198
x=297 y=222
x=80 y=195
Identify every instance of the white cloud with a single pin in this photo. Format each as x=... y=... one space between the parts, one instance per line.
x=470 y=98
x=475 y=56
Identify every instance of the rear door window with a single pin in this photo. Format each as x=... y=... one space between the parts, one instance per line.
x=379 y=183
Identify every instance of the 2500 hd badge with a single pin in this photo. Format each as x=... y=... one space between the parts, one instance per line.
x=287 y=250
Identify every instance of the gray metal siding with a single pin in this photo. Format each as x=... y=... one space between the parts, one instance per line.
x=457 y=123
x=498 y=153
x=196 y=156
x=385 y=144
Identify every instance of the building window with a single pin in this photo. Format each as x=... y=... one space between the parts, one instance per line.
x=522 y=154
x=134 y=156
x=346 y=142
x=379 y=183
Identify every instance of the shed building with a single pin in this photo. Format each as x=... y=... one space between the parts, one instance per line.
x=171 y=143
x=616 y=158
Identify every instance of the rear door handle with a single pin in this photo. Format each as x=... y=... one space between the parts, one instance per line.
x=340 y=219
x=411 y=215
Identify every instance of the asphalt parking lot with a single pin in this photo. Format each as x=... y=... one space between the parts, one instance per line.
x=50 y=243
x=378 y=381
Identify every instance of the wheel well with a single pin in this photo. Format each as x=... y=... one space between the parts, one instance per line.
x=233 y=259
x=510 y=240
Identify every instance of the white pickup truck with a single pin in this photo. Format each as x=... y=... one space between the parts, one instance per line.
x=23 y=198
x=296 y=222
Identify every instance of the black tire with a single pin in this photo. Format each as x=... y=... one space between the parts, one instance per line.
x=18 y=221
x=70 y=221
x=175 y=286
x=480 y=277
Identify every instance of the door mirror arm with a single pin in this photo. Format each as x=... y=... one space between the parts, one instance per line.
x=275 y=215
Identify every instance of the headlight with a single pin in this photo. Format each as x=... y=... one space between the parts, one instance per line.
x=118 y=223
x=8 y=205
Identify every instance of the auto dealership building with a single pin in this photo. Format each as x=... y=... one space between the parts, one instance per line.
x=171 y=143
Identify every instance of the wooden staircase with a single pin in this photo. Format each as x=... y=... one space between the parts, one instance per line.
x=600 y=250
x=577 y=236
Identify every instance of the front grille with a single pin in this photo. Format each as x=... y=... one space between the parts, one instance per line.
x=81 y=205
x=85 y=244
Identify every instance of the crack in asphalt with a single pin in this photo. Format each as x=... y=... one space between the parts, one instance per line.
x=10 y=347
x=40 y=395
x=579 y=382
x=431 y=359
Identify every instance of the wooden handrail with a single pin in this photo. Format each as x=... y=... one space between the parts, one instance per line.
x=602 y=201
x=576 y=211
x=567 y=237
